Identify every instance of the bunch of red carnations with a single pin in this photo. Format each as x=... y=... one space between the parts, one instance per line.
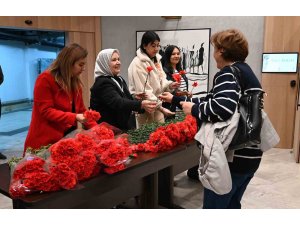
x=33 y=174
x=70 y=161
x=167 y=137
x=91 y=115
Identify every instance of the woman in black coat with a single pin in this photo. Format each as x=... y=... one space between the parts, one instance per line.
x=110 y=95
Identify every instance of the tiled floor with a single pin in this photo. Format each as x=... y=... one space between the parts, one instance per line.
x=13 y=131
x=275 y=185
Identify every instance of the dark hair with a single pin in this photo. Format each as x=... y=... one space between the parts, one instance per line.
x=149 y=37
x=166 y=58
x=233 y=42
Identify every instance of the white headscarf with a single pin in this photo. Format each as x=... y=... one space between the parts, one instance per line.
x=102 y=62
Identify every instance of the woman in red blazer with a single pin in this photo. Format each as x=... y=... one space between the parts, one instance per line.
x=58 y=103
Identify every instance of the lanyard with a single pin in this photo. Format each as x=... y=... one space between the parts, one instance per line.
x=121 y=87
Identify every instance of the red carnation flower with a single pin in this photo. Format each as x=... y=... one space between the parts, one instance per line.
x=63 y=175
x=176 y=77
x=149 y=68
x=182 y=72
x=195 y=84
x=92 y=115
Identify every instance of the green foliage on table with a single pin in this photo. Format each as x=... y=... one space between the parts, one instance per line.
x=41 y=152
x=13 y=161
x=141 y=135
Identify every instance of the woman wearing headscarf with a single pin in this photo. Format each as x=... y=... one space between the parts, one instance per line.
x=110 y=95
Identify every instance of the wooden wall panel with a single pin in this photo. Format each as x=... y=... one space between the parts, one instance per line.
x=282 y=34
x=279 y=104
x=98 y=38
x=18 y=21
x=67 y=23
x=274 y=40
x=296 y=144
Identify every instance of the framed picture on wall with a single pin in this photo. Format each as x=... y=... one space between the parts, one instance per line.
x=194 y=46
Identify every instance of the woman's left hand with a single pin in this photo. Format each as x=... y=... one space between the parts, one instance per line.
x=80 y=118
x=187 y=107
x=174 y=85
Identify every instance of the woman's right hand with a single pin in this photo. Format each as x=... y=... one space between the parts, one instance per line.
x=149 y=106
x=166 y=97
x=80 y=118
x=141 y=96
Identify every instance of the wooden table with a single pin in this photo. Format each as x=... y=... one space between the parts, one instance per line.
x=149 y=176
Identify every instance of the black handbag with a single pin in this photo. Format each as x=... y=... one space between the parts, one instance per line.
x=250 y=107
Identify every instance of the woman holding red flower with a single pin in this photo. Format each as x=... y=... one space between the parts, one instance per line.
x=58 y=103
x=230 y=49
x=110 y=95
x=172 y=67
x=152 y=83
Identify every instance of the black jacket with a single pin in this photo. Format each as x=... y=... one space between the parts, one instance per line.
x=1 y=76
x=114 y=105
x=1 y=81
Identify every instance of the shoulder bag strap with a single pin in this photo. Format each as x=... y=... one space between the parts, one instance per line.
x=238 y=75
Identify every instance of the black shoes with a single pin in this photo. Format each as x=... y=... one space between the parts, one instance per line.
x=2 y=156
x=192 y=173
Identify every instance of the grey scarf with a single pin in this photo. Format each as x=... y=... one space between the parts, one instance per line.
x=102 y=62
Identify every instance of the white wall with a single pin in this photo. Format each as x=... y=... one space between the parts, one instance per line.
x=120 y=33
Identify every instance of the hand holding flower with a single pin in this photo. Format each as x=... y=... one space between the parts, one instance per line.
x=91 y=115
x=141 y=96
x=80 y=118
x=166 y=97
x=174 y=85
x=149 y=106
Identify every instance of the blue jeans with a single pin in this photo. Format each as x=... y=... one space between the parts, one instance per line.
x=231 y=200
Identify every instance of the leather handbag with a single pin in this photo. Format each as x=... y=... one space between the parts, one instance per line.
x=250 y=108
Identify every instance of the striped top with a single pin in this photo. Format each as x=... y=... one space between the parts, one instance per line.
x=220 y=104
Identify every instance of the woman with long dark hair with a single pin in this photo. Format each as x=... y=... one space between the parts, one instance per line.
x=172 y=65
x=151 y=83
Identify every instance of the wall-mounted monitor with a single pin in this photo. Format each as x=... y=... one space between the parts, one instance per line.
x=280 y=62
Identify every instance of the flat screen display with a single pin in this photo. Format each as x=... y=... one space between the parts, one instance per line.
x=286 y=62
